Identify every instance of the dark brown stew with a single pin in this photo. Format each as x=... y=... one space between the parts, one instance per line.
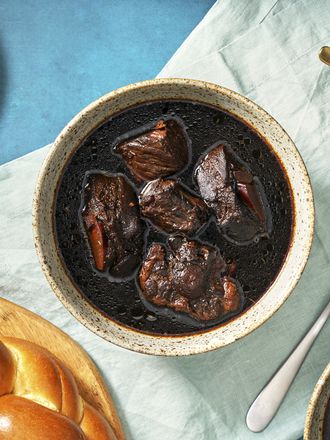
x=258 y=176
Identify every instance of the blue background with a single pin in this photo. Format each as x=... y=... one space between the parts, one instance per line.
x=58 y=56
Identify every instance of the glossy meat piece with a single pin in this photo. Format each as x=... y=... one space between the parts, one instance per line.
x=158 y=152
x=191 y=278
x=172 y=207
x=112 y=222
x=234 y=194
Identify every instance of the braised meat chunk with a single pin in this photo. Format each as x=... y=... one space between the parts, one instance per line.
x=172 y=207
x=112 y=222
x=234 y=194
x=155 y=153
x=191 y=277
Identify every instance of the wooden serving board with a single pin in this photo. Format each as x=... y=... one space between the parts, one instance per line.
x=18 y=322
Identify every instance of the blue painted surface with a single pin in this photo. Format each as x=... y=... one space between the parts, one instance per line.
x=58 y=56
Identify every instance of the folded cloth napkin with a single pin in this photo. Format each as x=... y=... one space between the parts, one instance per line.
x=267 y=51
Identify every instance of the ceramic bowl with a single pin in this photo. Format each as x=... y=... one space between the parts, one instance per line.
x=316 y=412
x=166 y=89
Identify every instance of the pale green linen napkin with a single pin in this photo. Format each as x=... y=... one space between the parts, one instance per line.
x=268 y=53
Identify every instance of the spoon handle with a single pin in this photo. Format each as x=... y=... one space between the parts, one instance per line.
x=265 y=406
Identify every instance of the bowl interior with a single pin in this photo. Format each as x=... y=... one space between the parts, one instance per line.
x=179 y=89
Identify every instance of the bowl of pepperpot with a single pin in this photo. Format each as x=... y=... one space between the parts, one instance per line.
x=173 y=216
x=317 y=423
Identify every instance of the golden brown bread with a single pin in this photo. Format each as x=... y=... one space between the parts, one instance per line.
x=21 y=418
x=39 y=398
x=94 y=425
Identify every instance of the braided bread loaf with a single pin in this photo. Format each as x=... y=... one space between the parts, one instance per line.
x=40 y=400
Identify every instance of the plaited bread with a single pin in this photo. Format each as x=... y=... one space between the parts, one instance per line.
x=21 y=418
x=39 y=398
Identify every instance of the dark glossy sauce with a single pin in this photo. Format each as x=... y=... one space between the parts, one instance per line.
x=257 y=264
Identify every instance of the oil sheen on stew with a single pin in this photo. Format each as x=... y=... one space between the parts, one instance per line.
x=254 y=263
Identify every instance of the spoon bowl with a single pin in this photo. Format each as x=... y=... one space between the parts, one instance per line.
x=324 y=55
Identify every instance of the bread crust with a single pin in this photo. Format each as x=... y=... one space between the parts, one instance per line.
x=39 y=398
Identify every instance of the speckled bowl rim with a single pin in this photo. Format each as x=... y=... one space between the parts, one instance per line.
x=211 y=339
x=312 y=424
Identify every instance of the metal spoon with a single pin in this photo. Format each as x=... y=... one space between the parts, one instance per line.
x=324 y=55
x=264 y=408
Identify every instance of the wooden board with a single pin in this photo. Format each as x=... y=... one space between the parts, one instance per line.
x=21 y=323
